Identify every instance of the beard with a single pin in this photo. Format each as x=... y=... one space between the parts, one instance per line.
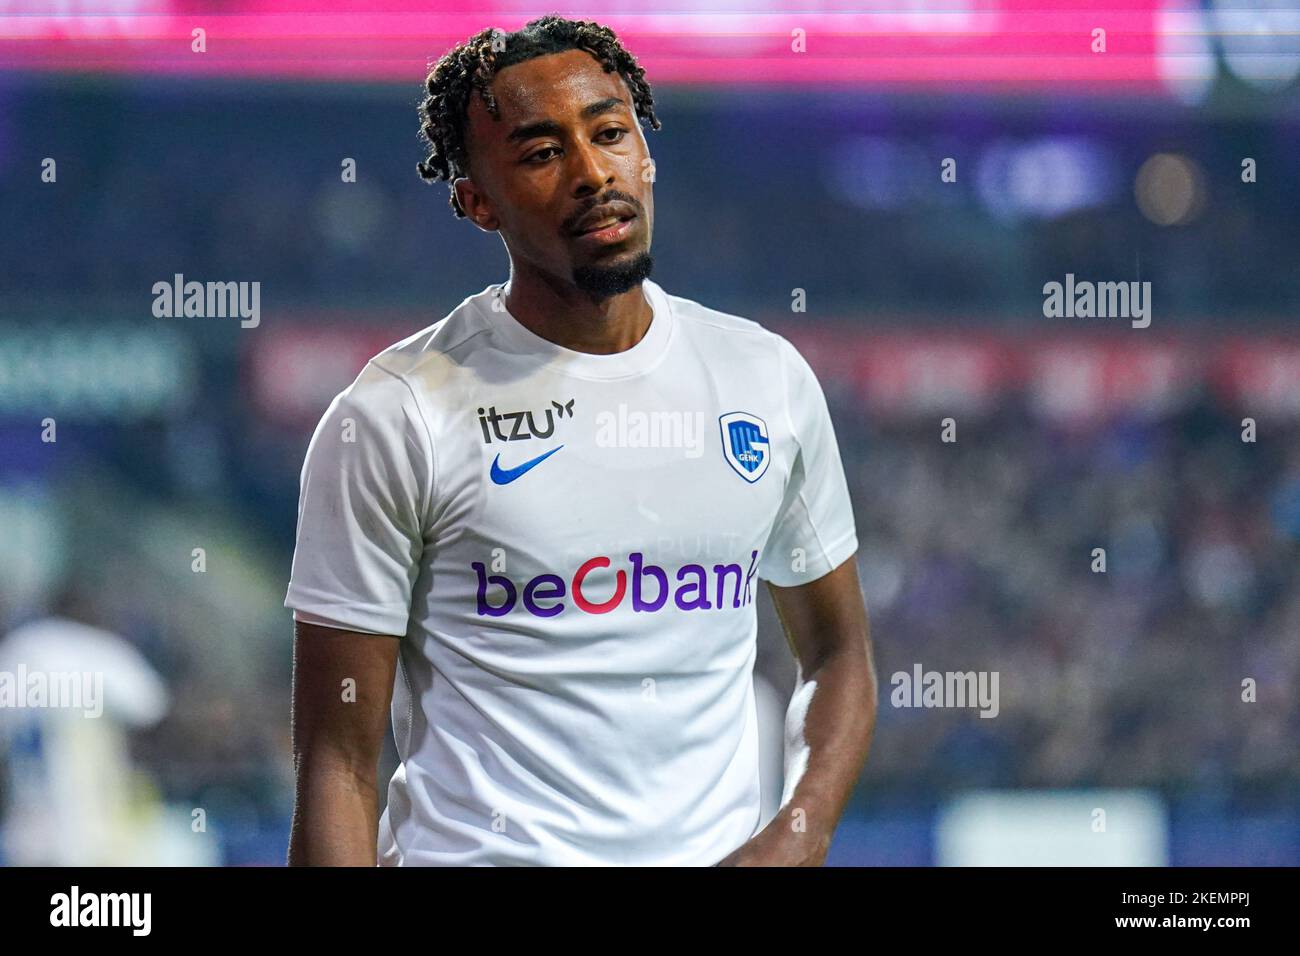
x=601 y=282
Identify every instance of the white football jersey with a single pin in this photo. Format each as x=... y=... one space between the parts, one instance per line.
x=569 y=546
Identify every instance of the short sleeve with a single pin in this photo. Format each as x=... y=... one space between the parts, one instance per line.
x=364 y=492
x=814 y=532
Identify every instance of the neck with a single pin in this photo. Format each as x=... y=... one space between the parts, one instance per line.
x=562 y=313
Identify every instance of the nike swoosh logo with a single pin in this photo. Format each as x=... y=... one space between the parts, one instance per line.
x=503 y=476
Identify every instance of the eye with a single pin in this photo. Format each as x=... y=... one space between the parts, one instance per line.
x=533 y=158
x=616 y=130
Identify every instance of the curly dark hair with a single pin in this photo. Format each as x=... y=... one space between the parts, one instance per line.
x=473 y=65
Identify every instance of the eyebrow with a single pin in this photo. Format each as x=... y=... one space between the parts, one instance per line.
x=552 y=128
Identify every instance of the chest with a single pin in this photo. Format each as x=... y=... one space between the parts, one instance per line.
x=678 y=472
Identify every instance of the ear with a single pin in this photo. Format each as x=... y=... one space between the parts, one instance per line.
x=477 y=206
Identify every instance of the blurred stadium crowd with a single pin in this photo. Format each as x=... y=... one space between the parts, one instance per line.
x=978 y=556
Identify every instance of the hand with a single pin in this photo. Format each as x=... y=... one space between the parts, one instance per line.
x=778 y=844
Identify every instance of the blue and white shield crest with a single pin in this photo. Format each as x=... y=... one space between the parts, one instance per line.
x=744 y=444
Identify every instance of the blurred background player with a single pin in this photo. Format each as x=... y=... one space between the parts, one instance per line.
x=73 y=793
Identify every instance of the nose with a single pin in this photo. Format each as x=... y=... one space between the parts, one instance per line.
x=591 y=169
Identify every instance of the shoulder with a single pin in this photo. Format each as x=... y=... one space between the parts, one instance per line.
x=699 y=318
x=740 y=340
x=398 y=381
x=462 y=330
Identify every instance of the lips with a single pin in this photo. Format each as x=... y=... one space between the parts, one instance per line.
x=607 y=235
x=604 y=217
x=605 y=224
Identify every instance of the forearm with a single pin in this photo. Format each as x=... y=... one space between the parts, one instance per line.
x=829 y=726
x=335 y=817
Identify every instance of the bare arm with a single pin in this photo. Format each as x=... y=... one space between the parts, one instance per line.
x=830 y=721
x=337 y=739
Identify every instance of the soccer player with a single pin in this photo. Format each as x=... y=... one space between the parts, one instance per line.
x=535 y=529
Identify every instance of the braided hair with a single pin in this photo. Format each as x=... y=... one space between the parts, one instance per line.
x=473 y=65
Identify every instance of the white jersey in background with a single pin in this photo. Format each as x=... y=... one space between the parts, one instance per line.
x=570 y=546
